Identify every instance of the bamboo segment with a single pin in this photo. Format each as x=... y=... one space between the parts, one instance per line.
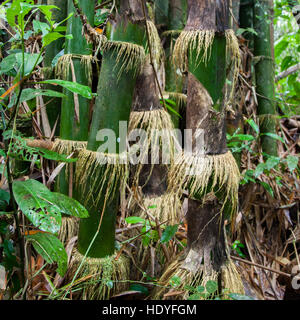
x=265 y=75
x=75 y=109
x=122 y=58
x=76 y=66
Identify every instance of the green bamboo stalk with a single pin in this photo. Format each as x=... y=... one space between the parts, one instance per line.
x=161 y=12
x=71 y=128
x=75 y=125
x=265 y=75
x=109 y=110
x=212 y=74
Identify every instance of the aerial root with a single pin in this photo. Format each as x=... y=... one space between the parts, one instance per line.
x=155 y=43
x=108 y=276
x=69 y=228
x=100 y=174
x=180 y=98
x=232 y=281
x=186 y=280
x=165 y=208
x=65 y=62
x=171 y=33
x=160 y=134
x=199 y=41
x=194 y=172
x=68 y=146
x=130 y=56
x=233 y=51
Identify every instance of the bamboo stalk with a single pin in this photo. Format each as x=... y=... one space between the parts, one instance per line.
x=127 y=34
x=265 y=75
x=74 y=121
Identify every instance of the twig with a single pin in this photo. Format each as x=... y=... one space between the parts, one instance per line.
x=287 y=72
x=260 y=266
x=103 y=4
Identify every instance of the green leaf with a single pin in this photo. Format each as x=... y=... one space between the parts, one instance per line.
x=4 y=199
x=240 y=31
x=237 y=296
x=30 y=60
x=29 y=93
x=173 y=111
x=286 y=62
x=4 y=196
x=12 y=12
x=259 y=169
x=138 y=287
x=169 y=233
x=211 y=286
x=51 y=249
x=195 y=296
x=200 y=289
x=134 y=220
x=56 y=58
x=267 y=187
x=280 y=47
x=292 y=162
x=251 y=30
x=244 y=137
x=8 y=63
x=70 y=206
x=109 y=284
x=170 y=102
x=253 y=125
x=52 y=155
x=37 y=204
x=47 y=11
x=272 y=162
x=40 y=26
x=175 y=281
x=3 y=227
x=50 y=37
x=273 y=135
x=74 y=87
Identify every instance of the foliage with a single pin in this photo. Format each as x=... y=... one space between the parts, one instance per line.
x=287 y=49
x=248 y=142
